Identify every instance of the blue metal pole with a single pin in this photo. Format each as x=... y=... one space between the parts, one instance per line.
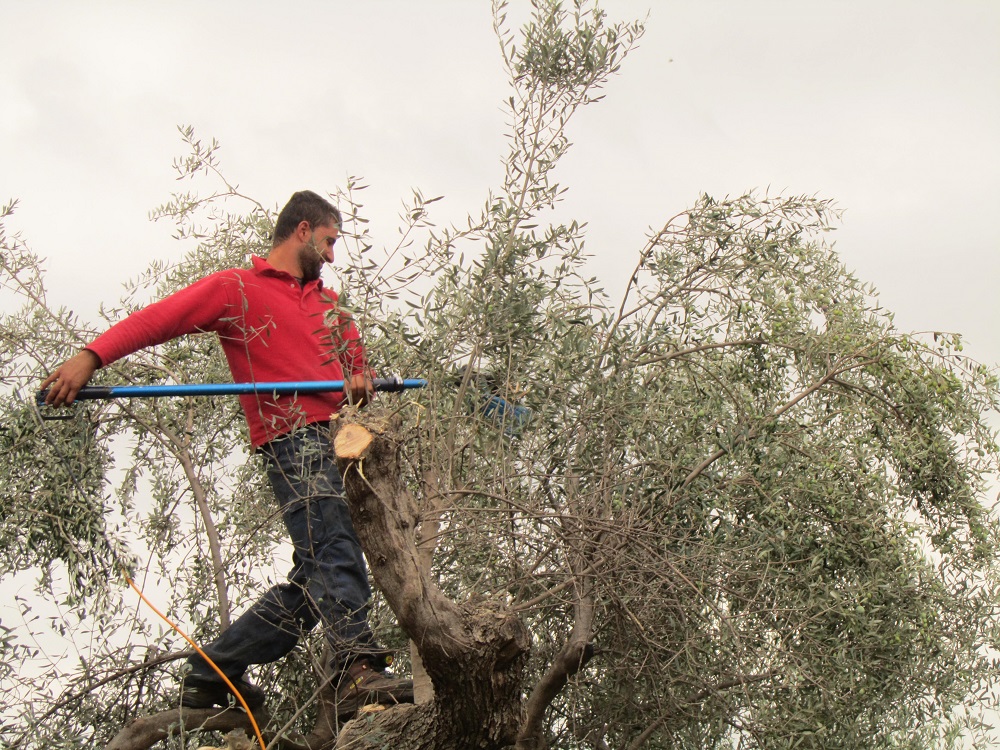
x=91 y=393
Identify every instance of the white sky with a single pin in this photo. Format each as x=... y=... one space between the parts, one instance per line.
x=891 y=107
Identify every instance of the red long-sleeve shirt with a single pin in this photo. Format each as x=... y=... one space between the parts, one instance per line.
x=271 y=328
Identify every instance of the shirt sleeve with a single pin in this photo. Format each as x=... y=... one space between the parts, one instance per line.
x=200 y=307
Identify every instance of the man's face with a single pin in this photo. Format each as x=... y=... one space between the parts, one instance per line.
x=317 y=251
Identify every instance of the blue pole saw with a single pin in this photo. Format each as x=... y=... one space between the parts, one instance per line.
x=285 y=388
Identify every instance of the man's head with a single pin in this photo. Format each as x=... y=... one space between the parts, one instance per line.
x=304 y=205
x=311 y=224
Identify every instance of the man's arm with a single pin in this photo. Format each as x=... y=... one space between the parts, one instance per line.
x=198 y=307
x=67 y=379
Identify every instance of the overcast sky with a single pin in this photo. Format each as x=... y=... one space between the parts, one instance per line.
x=892 y=108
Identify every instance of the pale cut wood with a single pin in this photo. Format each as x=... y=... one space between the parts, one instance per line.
x=352 y=441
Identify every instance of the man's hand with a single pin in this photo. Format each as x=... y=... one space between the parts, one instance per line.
x=70 y=377
x=359 y=389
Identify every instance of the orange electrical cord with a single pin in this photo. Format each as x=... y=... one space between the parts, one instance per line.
x=204 y=656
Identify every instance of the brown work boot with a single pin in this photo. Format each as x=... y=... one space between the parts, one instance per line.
x=361 y=685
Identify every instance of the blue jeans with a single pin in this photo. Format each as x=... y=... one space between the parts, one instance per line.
x=328 y=583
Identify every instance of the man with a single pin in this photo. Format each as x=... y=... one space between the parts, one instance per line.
x=276 y=322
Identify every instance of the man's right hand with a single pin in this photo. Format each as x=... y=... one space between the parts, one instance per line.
x=359 y=389
x=70 y=377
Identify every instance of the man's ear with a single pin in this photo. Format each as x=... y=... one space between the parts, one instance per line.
x=303 y=230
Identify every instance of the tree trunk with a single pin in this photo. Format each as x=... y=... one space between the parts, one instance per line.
x=475 y=652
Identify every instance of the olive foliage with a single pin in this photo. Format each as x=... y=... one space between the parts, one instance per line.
x=763 y=508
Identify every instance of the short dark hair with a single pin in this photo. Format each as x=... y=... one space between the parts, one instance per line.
x=304 y=205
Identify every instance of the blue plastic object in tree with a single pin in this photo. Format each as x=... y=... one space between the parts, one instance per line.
x=512 y=417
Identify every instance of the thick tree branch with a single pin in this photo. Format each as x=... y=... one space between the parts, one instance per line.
x=181 y=450
x=571 y=659
x=386 y=518
x=428 y=533
x=145 y=732
x=214 y=540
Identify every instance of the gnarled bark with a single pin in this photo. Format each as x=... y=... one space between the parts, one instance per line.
x=474 y=652
x=148 y=730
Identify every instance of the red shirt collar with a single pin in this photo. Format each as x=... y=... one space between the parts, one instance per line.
x=263 y=268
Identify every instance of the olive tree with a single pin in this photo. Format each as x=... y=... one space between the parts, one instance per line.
x=733 y=506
